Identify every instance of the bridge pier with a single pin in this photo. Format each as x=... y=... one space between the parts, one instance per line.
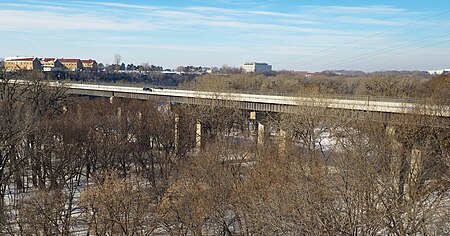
x=253 y=115
x=411 y=180
x=261 y=133
x=119 y=112
x=282 y=142
x=119 y=109
x=395 y=165
x=261 y=128
x=198 y=136
x=415 y=170
x=250 y=122
x=176 y=138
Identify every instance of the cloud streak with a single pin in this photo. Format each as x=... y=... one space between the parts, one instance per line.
x=358 y=10
x=149 y=18
x=50 y=21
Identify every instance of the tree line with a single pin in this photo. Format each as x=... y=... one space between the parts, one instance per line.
x=393 y=85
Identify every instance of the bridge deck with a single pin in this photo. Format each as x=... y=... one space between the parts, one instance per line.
x=256 y=102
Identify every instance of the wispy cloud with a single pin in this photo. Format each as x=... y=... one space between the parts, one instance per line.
x=149 y=17
x=358 y=10
x=44 y=20
x=120 y=5
x=298 y=22
x=369 y=21
x=175 y=47
x=227 y=11
x=27 y=39
x=34 y=6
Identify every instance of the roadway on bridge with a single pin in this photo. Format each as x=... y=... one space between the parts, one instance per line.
x=346 y=104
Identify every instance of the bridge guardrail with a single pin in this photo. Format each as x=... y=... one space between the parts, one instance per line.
x=344 y=102
x=262 y=92
x=266 y=92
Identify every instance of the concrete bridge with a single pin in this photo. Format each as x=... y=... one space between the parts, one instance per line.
x=258 y=102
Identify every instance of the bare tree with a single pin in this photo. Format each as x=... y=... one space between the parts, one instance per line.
x=23 y=107
x=204 y=198
x=16 y=122
x=45 y=212
x=146 y=66
x=115 y=206
x=117 y=60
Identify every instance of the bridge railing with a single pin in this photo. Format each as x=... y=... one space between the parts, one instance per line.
x=265 y=92
x=419 y=106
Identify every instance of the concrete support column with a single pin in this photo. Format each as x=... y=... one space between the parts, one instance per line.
x=198 y=136
x=119 y=112
x=396 y=159
x=119 y=109
x=175 y=132
x=282 y=142
x=139 y=119
x=261 y=133
x=253 y=115
x=415 y=170
x=250 y=123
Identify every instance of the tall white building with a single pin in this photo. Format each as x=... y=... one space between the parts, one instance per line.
x=255 y=67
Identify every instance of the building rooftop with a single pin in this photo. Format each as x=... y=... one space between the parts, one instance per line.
x=88 y=61
x=19 y=58
x=69 y=60
x=257 y=63
x=48 y=59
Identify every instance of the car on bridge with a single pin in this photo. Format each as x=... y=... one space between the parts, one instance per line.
x=147 y=89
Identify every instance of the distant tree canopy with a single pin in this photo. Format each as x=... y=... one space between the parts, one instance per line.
x=151 y=77
x=373 y=84
x=439 y=88
x=147 y=67
x=188 y=69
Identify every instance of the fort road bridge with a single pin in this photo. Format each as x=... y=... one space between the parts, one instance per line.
x=358 y=107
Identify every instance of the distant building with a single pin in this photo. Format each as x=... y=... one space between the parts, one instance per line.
x=90 y=65
x=71 y=64
x=22 y=63
x=51 y=64
x=439 y=72
x=255 y=67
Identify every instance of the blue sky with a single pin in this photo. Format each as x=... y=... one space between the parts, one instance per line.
x=300 y=35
